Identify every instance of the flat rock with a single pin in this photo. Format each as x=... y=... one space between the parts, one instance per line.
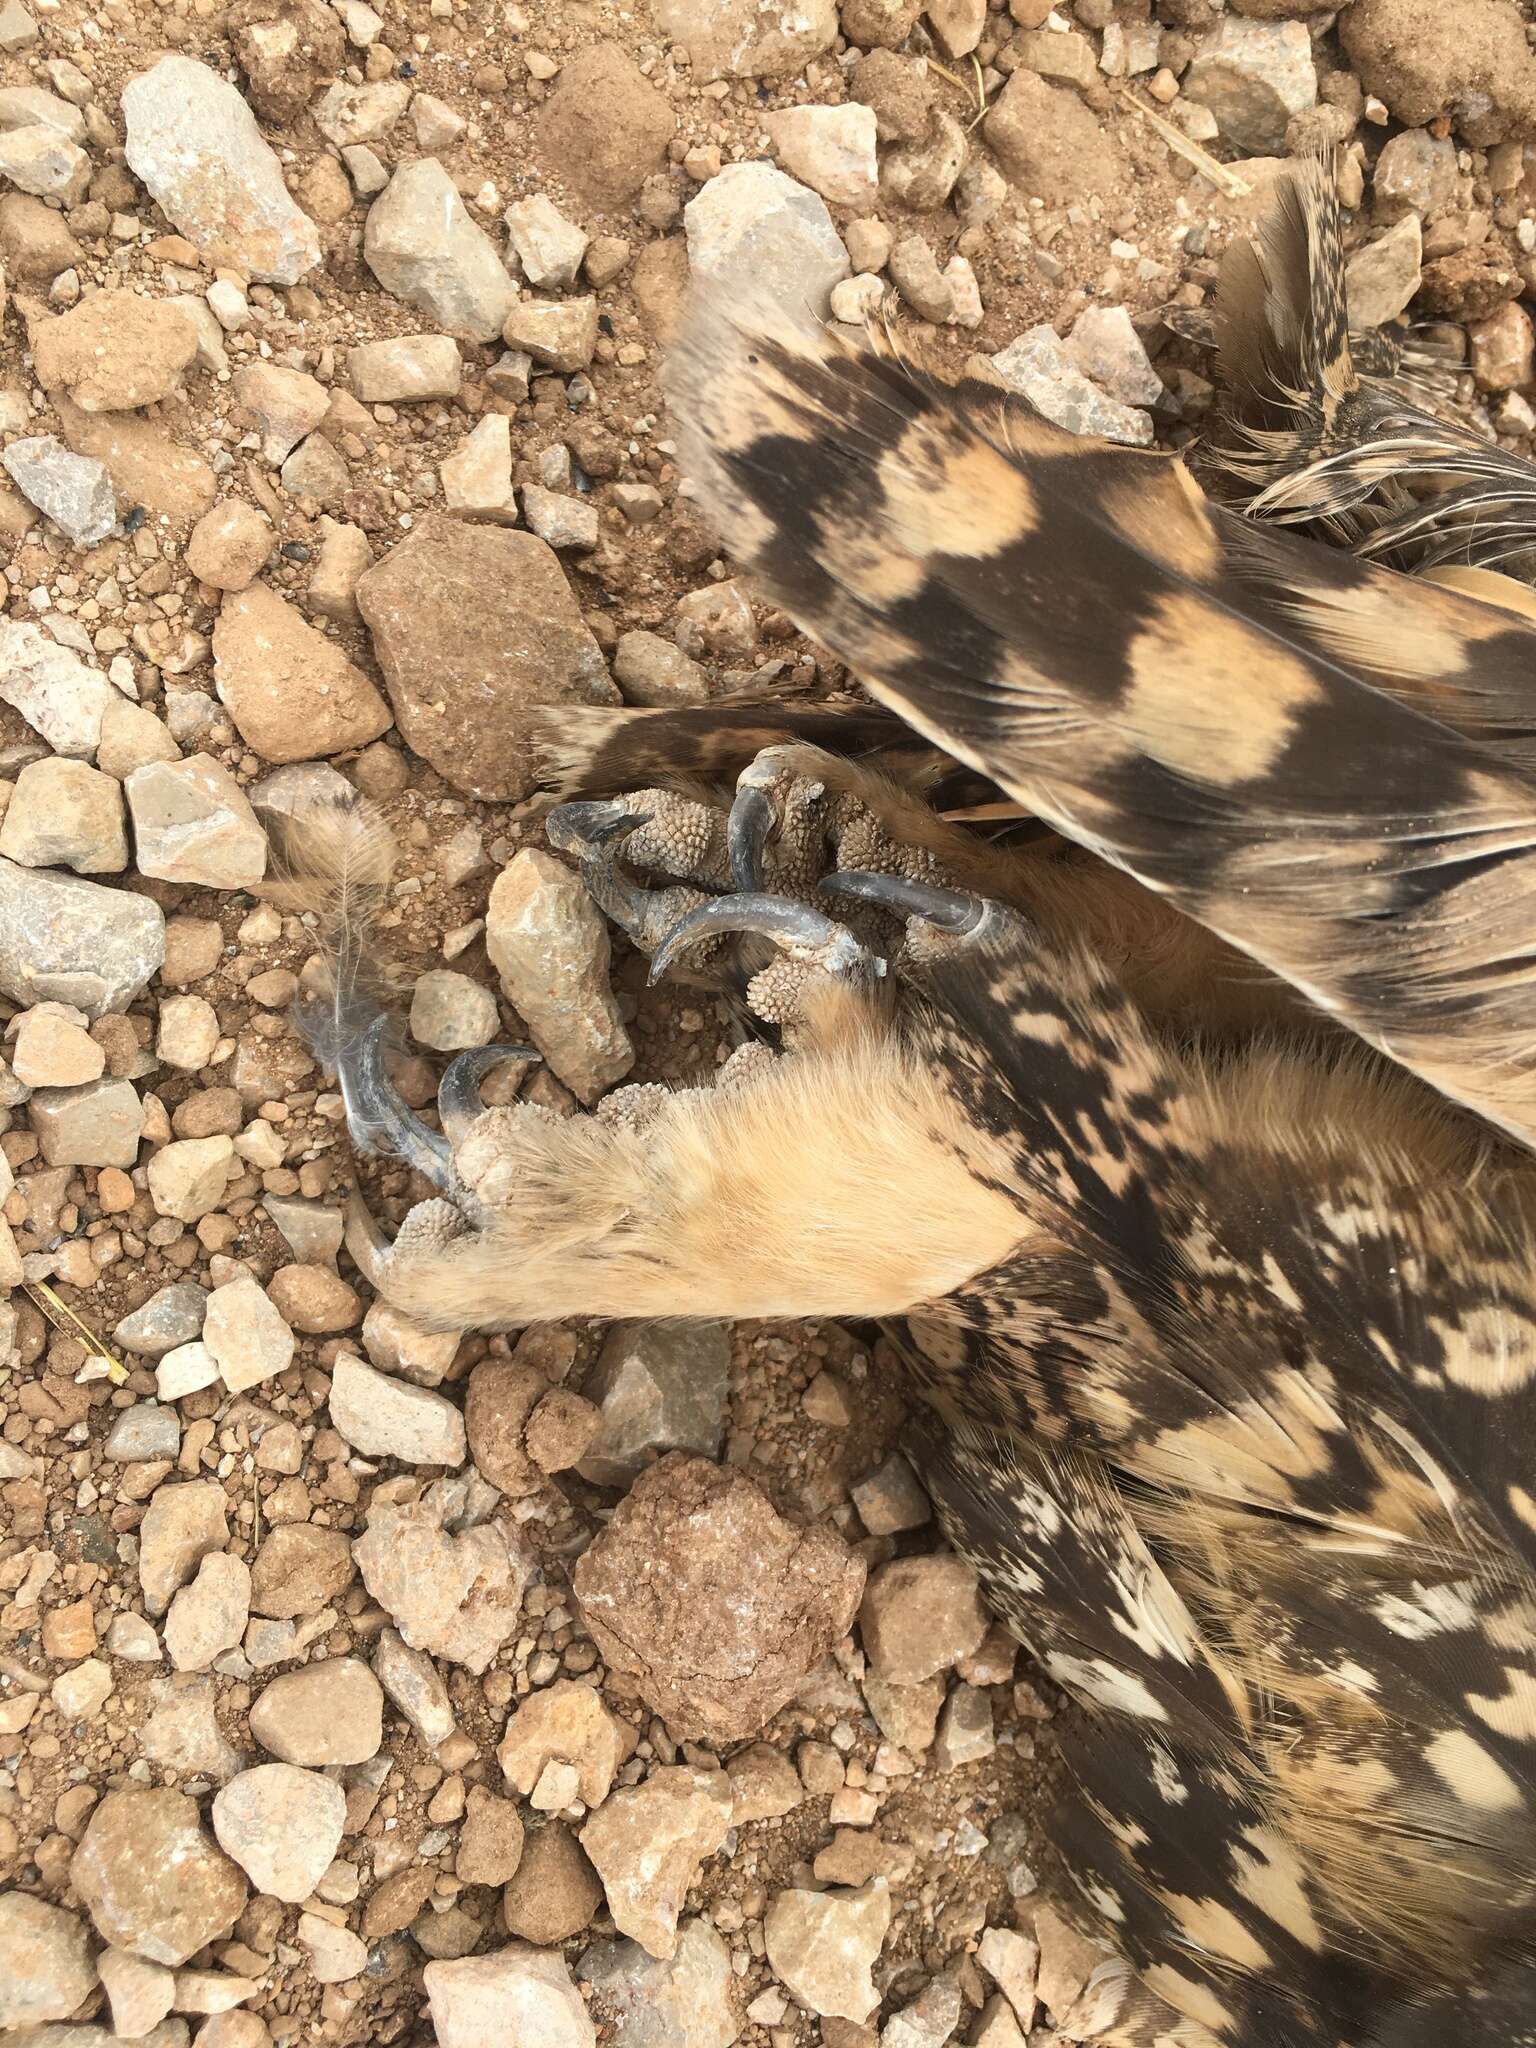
x=59 y=695
x=47 y=1955
x=758 y=233
x=63 y=813
x=748 y=38
x=831 y=149
x=423 y=247
x=152 y=1878
x=328 y=1713
x=96 y=1124
x=823 y=1945
x=74 y=491
x=549 y=247
x=147 y=465
x=714 y=1606
x=139 y=1993
x=187 y=1179
x=282 y=1825
x=566 y=1723
x=1255 y=76
x=1037 y=367
x=193 y=142
x=475 y=628
x=1381 y=278
x=1107 y=349
x=298 y=1570
x=387 y=1418
x=407 y=369
x=246 y=1335
x=455 y=1593
x=919 y=1616
x=181 y=1525
x=684 y=2002
x=413 y=1684
x=193 y=823
x=647 y=1842
x=171 y=1316
x=63 y=939
x=183 y=1734
x=660 y=1387
x=115 y=351
x=549 y=943
x=1050 y=145
x=292 y=693
x=516 y=1994
x=208 y=1616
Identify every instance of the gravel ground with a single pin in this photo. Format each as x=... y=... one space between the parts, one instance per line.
x=350 y=1681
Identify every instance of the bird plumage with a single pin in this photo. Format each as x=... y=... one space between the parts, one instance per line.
x=1226 y=1340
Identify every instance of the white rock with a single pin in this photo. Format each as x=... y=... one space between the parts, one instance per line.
x=187 y=1179
x=53 y=1049
x=550 y=946
x=64 y=813
x=385 y=1418
x=73 y=490
x=335 y=1953
x=831 y=149
x=762 y=235
x=1012 y=1961
x=822 y=1945
x=247 y=1337
x=282 y=1825
x=560 y=335
x=186 y=1370
x=451 y=1013
x=188 y=1033
x=352 y=114
x=208 y=1617
x=1381 y=278
x=477 y=477
x=60 y=696
x=436 y=124
x=45 y=163
x=423 y=247
x=518 y=1993
x=28 y=106
x=82 y=1691
x=562 y=521
x=139 y=1992
x=548 y=246
x=193 y=823
x=858 y=299
x=193 y=141
x=748 y=38
x=1036 y=366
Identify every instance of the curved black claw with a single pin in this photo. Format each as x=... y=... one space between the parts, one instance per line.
x=378 y=1119
x=594 y=832
x=795 y=926
x=458 y=1093
x=746 y=835
x=948 y=910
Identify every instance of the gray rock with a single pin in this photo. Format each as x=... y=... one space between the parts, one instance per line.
x=48 y=1969
x=1254 y=76
x=516 y=1993
x=1381 y=278
x=193 y=141
x=1035 y=365
x=452 y=1591
x=822 y=1945
x=311 y=1230
x=831 y=149
x=60 y=696
x=661 y=1387
x=63 y=939
x=39 y=160
x=681 y=2003
x=1105 y=346
x=965 y=1728
x=548 y=942
x=142 y=1432
x=172 y=1316
x=423 y=247
x=929 y=2021
x=246 y=1335
x=1416 y=173
x=890 y=1500
x=74 y=491
x=97 y=1124
x=407 y=370
x=182 y=1734
x=193 y=823
x=413 y=1683
x=562 y=521
x=748 y=38
x=385 y=1418
x=548 y=246
x=762 y=235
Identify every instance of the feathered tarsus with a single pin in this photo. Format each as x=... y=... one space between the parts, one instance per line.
x=1229 y=1341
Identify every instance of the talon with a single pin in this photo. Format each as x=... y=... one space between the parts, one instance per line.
x=948 y=910
x=365 y=1241
x=792 y=925
x=747 y=831
x=594 y=833
x=378 y=1121
x=458 y=1094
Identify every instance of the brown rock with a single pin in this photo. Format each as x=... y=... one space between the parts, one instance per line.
x=1050 y=144
x=328 y=1713
x=921 y=1615
x=1470 y=63
x=229 y=545
x=314 y=1299
x=394 y=1904
x=1501 y=349
x=1470 y=284
x=152 y=1878
x=502 y=1396
x=660 y=284
x=182 y=1524
x=35 y=244
x=555 y=1890
x=647 y=1842
x=714 y=1605
x=765 y=1785
x=566 y=1723
x=146 y=466
x=115 y=351
x=560 y=1430
x=298 y=1570
x=490 y=1841
x=604 y=128
x=287 y=49
x=292 y=692
x=475 y=627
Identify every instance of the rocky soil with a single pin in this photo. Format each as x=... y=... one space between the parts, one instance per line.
x=351 y=1680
